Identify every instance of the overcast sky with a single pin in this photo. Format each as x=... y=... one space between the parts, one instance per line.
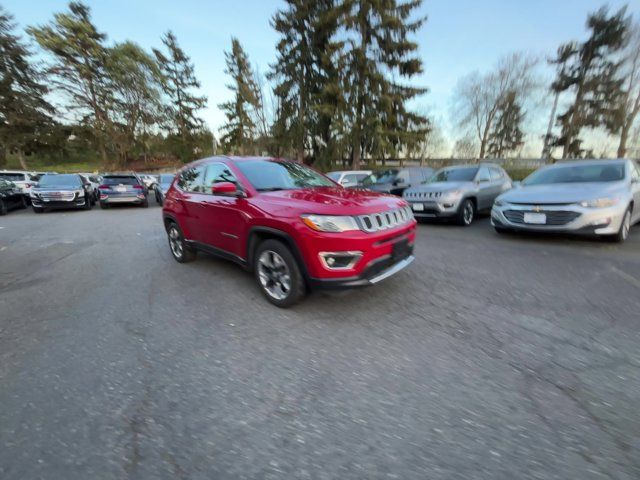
x=459 y=36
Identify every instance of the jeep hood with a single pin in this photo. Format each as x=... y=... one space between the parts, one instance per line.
x=333 y=200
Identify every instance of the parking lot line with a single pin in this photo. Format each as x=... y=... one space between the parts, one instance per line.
x=629 y=278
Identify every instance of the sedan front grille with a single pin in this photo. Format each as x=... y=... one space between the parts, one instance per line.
x=554 y=217
x=376 y=222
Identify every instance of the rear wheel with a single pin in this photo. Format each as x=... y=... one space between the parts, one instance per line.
x=87 y=202
x=466 y=213
x=278 y=274
x=179 y=248
x=23 y=203
x=3 y=207
x=625 y=227
x=145 y=203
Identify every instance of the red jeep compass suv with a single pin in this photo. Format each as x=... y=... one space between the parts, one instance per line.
x=292 y=226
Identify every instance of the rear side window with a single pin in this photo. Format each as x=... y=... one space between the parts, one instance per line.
x=120 y=180
x=483 y=175
x=192 y=179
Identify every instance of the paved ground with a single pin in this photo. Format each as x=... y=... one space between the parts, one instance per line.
x=490 y=358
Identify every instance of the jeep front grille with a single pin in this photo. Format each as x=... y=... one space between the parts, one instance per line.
x=376 y=222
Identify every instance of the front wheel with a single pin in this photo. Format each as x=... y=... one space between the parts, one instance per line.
x=625 y=227
x=466 y=213
x=87 y=202
x=3 y=207
x=278 y=274
x=179 y=248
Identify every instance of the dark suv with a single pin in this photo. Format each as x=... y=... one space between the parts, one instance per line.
x=123 y=188
x=10 y=197
x=289 y=224
x=396 y=180
x=62 y=191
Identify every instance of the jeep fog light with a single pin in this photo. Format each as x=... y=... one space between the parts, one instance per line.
x=339 y=260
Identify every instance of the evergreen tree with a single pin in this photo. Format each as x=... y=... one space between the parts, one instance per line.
x=24 y=113
x=590 y=69
x=178 y=83
x=78 y=67
x=306 y=76
x=380 y=53
x=506 y=135
x=242 y=112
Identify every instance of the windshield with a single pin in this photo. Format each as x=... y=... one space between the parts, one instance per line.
x=167 y=178
x=13 y=177
x=382 y=176
x=267 y=175
x=60 y=181
x=120 y=180
x=465 y=174
x=599 y=172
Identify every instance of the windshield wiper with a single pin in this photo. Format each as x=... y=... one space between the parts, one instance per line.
x=270 y=189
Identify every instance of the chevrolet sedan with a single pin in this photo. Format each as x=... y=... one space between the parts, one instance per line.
x=595 y=197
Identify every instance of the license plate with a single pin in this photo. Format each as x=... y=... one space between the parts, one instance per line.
x=121 y=189
x=535 y=218
x=418 y=207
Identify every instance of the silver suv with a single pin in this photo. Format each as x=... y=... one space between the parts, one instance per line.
x=458 y=192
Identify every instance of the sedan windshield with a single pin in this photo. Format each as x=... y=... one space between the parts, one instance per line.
x=268 y=175
x=60 y=181
x=13 y=177
x=466 y=174
x=599 y=172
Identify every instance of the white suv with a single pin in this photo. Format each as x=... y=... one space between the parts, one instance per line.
x=349 y=178
x=23 y=180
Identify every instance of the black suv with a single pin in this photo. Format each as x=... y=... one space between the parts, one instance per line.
x=10 y=197
x=62 y=191
x=396 y=180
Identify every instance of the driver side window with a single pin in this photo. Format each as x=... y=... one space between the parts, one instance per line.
x=217 y=173
x=483 y=175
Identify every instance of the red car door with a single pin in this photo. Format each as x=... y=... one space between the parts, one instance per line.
x=225 y=221
x=191 y=186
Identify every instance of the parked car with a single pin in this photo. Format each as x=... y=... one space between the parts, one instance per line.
x=292 y=226
x=123 y=188
x=458 y=192
x=349 y=178
x=95 y=181
x=69 y=190
x=164 y=182
x=596 y=197
x=11 y=197
x=23 y=180
x=149 y=180
x=396 y=180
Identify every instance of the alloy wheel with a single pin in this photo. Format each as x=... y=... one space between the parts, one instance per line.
x=274 y=275
x=626 y=225
x=467 y=214
x=175 y=242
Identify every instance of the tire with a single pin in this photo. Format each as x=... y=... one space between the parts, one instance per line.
x=159 y=199
x=3 y=208
x=87 y=202
x=181 y=252
x=625 y=227
x=23 y=204
x=278 y=274
x=37 y=209
x=145 y=204
x=104 y=206
x=466 y=213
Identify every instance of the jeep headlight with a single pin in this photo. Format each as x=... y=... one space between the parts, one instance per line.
x=453 y=194
x=600 y=202
x=330 y=223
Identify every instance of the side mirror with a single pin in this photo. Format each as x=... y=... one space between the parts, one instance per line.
x=224 y=188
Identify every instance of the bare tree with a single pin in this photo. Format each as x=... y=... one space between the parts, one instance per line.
x=465 y=147
x=478 y=96
x=631 y=97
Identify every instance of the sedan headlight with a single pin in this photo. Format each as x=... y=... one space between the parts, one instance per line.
x=330 y=223
x=600 y=202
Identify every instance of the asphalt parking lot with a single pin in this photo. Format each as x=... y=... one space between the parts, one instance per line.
x=489 y=358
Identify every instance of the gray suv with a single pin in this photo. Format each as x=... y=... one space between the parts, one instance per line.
x=458 y=192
